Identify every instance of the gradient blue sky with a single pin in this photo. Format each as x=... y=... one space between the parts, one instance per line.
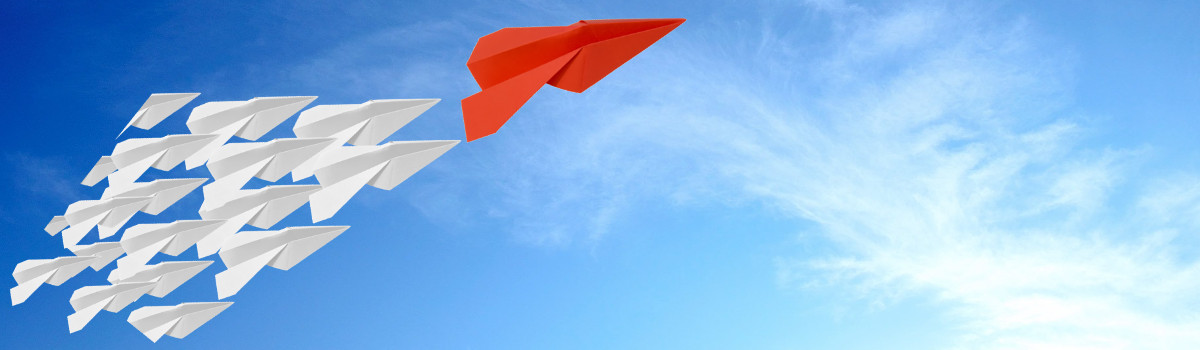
x=771 y=175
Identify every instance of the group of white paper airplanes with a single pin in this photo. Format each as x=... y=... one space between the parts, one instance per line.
x=319 y=149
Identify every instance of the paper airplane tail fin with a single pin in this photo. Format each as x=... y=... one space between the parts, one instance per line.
x=82 y=317
x=22 y=291
x=486 y=111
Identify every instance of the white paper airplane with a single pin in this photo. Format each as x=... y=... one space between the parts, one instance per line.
x=365 y=124
x=119 y=203
x=144 y=241
x=88 y=301
x=320 y=149
x=261 y=208
x=370 y=122
x=211 y=243
x=104 y=253
x=30 y=274
x=235 y=164
x=346 y=170
x=271 y=203
x=164 y=192
x=247 y=252
x=166 y=275
x=133 y=157
x=107 y=214
x=176 y=321
x=157 y=108
x=249 y=120
x=56 y=225
x=101 y=170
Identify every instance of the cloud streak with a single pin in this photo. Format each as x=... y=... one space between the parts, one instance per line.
x=932 y=144
x=935 y=147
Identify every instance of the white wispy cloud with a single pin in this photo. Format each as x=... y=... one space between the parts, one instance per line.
x=942 y=176
x=934 y=146
x=397 y=61
x=46 y=177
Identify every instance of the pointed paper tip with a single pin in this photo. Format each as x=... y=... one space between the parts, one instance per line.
x=135 y=118
x=676 y=22
x=17 y=299
x=157 y=333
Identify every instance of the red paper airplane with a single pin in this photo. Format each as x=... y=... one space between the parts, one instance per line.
x=511 y=64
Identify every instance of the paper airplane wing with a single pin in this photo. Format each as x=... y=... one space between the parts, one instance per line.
x=144 y=241
x=269 y=161
x=87 y=296
x=109 y=214
x=260 y=115
x=116 y=217
x=285 y=202
x=327 y=120
x=416 y=155
x=614 y=42
x=133 y=157
x=88 y=301
x=166 y=276
x=290 y=153
x=510 y=52
x=103 y=252
x=56 y=225
x=486 y=111
x=510 y=65
x=270 y=204
x=249 y=120
x=270 y=111
x=248 y=252
x=209 y=117
x=302 y=242
x=101 y=170
x=157 y=108
x=176 y=321
x=30 y=274
x=211 y=243
x=368 y=123
x=383 y=167
x=164 y=192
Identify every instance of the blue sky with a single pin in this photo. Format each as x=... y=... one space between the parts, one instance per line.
x=771 y=175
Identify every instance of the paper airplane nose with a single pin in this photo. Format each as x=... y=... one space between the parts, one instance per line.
x=619 y=41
